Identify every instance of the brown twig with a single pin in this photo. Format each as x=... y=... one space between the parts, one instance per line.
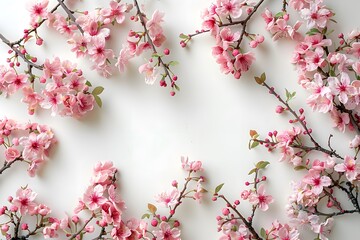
x=247 y=224
x=143 y=23
x=71 y=15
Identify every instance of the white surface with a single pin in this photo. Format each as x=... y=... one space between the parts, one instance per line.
x=144 y=131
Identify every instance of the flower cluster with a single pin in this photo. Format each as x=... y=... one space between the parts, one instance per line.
x=101 y=207
x=28 y=143
x=21 y=213
x=89 y=33
x=329 y=70
x=233 y=224
x=64 y=89
x=218 y=19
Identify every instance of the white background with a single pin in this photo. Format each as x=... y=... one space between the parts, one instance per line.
x=144 y=131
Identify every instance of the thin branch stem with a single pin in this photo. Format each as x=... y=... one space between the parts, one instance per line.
x=81 y=229
x=247 y=224
x=18 y=52
x=143 y=23
x=306 y=129
x=71 y=15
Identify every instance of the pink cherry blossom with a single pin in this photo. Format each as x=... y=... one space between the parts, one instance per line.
x=120 y=233
x=244 y=61
x=165 y=232
x=324 y=229
x=169 y=199
x=151 y=73
x=231 y=7
x=350 y=167
x=316 y=15
x=341 y=87
x=316 y=181
x=103 y=172
x=24 y=200
x=340 y=120
x=115 y=12
x=97 y=51
x=37 y=10
x=260 y=199
x=227 y=37
x=93 y=197
x=355 y=49
x=51 y=231
x=355 y=142
x=11 y=154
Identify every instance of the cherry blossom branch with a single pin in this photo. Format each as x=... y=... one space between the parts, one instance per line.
x=7 y=165
x=317 y=146
x=71 y=15
x=233 y=23
x=18 y=53
x=247 y=224
x=38 y=25
x=245 y=21
x=143 y=23
x=82 y=228
x=182 y=194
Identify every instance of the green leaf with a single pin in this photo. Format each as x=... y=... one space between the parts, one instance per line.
x=260 y=80
x=183 y=36
x=263 y=76
x=298 y=168
x=155 y=55
x=98 y=100
x=88 y=83
x=263 y=233
x=152 y=208
x=262 y=164
x=279 y=15
x=254 y=144
x=218 y=188
x=252 y=171
x=332 y=73
x=97 y=91
x=177 y=87
x=146 y=215
x=173 y=63
x=289 y=95
x=313 y=31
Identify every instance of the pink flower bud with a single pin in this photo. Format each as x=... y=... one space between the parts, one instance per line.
x=5 y=228
x=235 y=52
x=2 y=210
x=176 y=223
x=14 y=208
x=260 y=38
x=172 y=93
x=10 y=199
x=164 y=218
x=24 y=226
x=225 y=211
x=174 y=78
x=279 y=109
x=39 y=41
x=174 y=183
x=75 y=219
x=341 y=35
x=42 y=80
x=286 y=17
x=166 y=51
x=154 y=222
x=89 y=229
x=253 y=44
